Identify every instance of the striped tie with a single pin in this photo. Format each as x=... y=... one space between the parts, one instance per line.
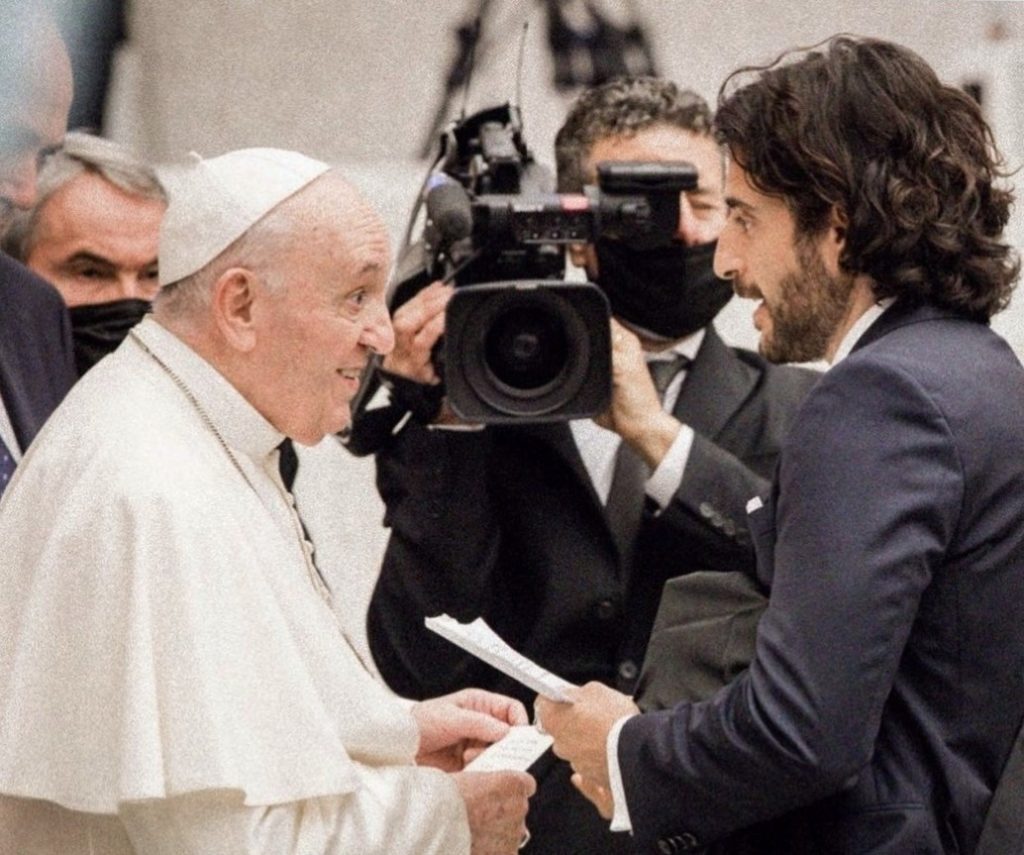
x=7 y=465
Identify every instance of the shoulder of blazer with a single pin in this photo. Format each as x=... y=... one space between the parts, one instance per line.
x=21 y=290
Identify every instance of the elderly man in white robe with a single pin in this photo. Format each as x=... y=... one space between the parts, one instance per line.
x=172 y=677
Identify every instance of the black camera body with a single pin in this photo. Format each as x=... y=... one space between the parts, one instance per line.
x=522 y=344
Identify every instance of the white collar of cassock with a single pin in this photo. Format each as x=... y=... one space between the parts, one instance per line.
x=860 y=326
x=236 y=420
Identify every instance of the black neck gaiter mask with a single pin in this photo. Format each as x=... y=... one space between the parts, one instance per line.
x=98 y=329
x=671 y=291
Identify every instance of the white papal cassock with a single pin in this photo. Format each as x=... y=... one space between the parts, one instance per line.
x=169 y=675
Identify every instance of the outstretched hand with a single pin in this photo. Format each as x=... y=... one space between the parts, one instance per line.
x=581 y=729
x=455 y=728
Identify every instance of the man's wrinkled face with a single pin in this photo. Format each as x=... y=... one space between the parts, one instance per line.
x=319 y=326
x=97 y=243
x=33 y=118
x=803 y=299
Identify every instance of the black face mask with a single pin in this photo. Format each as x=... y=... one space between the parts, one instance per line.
x=671 y=291
x=98 y=329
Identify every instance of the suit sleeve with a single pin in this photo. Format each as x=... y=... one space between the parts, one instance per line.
x=735 y=462
x=870 y=487
x=441 y=556
x=709 y=505
x=37 y=365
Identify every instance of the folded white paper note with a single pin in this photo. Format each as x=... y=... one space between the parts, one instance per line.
x=480 y=640
x=516 y=751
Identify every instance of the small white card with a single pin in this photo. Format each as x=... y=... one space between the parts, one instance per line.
x=482 y=641
x=516 y=752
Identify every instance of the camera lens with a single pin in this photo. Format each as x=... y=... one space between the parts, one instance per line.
x=526 y=348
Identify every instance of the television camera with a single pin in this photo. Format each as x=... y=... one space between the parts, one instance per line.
x=520 y=342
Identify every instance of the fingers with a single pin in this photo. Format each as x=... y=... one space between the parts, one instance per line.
x=501 y=707
x=527 y=782
x=479 y=726
x=548 y=715
x=418 y=324
x=471 y=751
x=429 y=333
x=597 y=795
x=496 y=807
x=427 y=303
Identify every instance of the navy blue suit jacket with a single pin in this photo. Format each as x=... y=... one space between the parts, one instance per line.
x=888 y=679
x=36 y=358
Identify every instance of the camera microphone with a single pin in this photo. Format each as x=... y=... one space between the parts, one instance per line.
x=448 y=209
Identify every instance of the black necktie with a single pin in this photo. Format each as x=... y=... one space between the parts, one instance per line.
x=663 y=370
x=288 y=466
x=7 y=465
x=625 y=504
x=287 y=463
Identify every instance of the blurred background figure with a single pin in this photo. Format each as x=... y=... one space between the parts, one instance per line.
x=35 y=346
x=93 y=234
x=93 y=30
x=589 y=43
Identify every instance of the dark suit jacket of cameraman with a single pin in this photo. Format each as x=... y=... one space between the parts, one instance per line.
x=505 y=523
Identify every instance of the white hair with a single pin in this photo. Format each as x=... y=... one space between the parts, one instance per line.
x=80 y=153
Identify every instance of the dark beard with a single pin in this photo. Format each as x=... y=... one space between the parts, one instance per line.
x=811 y=305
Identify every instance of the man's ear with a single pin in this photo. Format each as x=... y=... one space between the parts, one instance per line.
x=583 y=255
x=578 y=254
x=234 y=294
x=834 y=241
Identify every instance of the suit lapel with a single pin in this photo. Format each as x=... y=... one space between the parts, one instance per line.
x=716 y=384
x=15 y=395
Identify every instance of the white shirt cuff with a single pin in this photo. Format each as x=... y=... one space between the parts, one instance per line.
x=620 y=815
x=665 y=480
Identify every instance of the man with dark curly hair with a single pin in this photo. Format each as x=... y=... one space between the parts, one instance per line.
x=562 y=535
x=866 y=214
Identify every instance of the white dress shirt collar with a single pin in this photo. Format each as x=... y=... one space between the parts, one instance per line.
x=687 y=347
x=860 y=326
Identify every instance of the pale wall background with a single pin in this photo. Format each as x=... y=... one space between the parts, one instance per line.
x=356 y=83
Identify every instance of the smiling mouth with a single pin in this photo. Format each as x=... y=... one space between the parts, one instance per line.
x=355 y=373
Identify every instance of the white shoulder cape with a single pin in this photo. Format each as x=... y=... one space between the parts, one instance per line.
x=158 y=635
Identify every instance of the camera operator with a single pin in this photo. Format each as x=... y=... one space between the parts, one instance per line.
x=561 y=541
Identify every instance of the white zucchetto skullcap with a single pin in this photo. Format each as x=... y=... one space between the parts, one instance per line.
x=214 y=202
